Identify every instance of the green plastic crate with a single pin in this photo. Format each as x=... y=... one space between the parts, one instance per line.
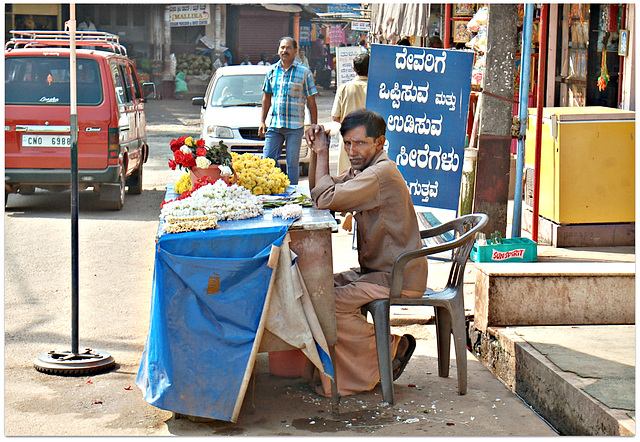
x=511 y=250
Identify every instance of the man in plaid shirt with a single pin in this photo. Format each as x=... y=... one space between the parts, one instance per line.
x=285 y=87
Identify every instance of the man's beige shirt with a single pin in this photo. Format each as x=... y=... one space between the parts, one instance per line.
x=349 y=97
x=386 y=220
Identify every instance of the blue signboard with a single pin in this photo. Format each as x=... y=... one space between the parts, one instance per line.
x=423 y=95
x=345 y=9
x=305 y=34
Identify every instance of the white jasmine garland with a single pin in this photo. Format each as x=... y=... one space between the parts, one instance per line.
x=203 y=162
x=288 y=211
x=225 y=202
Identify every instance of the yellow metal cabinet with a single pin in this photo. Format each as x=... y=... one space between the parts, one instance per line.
x=587 y=164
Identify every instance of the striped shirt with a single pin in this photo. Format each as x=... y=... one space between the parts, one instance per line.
x=289 y=90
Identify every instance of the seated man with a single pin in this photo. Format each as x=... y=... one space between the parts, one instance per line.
x=232 y=93
x=375 y=190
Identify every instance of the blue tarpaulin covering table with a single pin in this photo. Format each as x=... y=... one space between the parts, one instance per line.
x=210 y=308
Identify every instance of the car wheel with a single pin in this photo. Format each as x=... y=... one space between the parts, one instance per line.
x=119 y=203
x=135 y=181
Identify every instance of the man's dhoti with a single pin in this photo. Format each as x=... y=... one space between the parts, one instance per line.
x=356 y=360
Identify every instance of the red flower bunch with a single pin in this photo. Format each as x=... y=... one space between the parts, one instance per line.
x=188 y=153
x=185 y=151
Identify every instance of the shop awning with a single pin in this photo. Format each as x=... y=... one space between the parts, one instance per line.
x=391 y=20
x=281 y=8
x=306 y=13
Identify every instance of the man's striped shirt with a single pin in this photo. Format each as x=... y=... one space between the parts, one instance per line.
x=289 y=90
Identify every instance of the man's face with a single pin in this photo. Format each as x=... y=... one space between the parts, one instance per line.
x=361 y=148
x=286 y=51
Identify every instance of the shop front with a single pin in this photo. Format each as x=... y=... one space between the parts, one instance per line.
x=589 y=59
x=254 y=30
x=32 y=17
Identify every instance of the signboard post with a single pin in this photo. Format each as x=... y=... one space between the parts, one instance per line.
x=360 y=26
x=305 y=34
x=344 y=63
x=423 y=95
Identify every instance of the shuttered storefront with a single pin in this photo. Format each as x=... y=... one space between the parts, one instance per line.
x=258 y=31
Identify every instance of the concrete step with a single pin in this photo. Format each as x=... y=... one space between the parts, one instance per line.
x=554 y=293
x=581 y=379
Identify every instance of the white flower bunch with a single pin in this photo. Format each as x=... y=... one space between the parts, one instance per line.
x=288 y=211
x=218 y=199
x=224 y=170
x=203 y=162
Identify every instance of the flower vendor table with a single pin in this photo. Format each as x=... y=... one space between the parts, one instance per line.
x=220 y=296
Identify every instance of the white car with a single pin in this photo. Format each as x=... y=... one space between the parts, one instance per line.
x=231 y=110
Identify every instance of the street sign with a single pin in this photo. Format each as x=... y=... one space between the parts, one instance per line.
x=305 y=34
x=360 y=26
x=423 y=95
x=344 y=63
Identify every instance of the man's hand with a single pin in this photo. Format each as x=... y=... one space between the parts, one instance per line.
x=266 y=105
x=317 y=138
x=318 y=141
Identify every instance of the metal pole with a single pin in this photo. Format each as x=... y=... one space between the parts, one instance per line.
x=447 y=25
x=542 y=65
x=623 y=19
x=74 y=363
x=73 y=117
x=525 y=70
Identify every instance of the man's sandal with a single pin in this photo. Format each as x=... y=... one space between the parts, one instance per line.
x=399 y=364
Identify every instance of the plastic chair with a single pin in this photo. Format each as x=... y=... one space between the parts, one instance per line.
x=448 y=303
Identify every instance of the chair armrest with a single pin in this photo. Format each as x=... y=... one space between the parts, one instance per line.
x=435 y=231
x=478 y=221
x=397 y=272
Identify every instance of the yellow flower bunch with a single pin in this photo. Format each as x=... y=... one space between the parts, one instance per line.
x=183 y=184
x=260 y=175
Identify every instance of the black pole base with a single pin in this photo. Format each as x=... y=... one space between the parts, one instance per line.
x=65 y=363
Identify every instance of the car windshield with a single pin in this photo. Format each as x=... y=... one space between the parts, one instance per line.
x=45 y=81
x=238 y=90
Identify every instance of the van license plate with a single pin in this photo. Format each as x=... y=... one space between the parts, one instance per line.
x=46 y=140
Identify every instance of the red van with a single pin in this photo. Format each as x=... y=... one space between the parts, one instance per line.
x=112 y=136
